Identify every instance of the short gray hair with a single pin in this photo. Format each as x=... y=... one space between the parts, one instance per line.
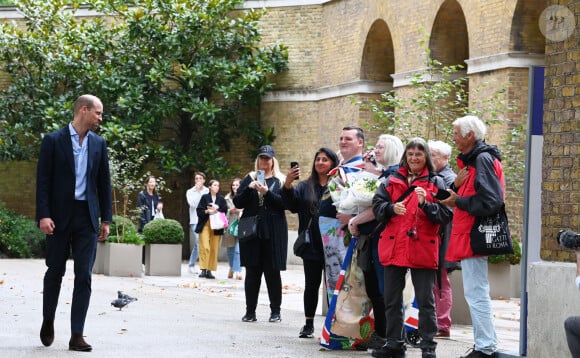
x=394 y=149
x=441 y=147
x=471 y=124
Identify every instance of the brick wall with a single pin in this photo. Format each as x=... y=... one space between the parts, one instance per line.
x=18 y=187
x=561 y=152
x=328 y=42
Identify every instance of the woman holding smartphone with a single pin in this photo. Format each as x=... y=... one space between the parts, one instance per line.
x=305 y=199
x=266 y=254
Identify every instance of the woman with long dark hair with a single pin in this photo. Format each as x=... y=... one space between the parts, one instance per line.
x=304 y=199
x=209 y=239
x=230 y=241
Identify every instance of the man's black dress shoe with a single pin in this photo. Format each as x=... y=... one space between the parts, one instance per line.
x=77 y=343
x=47 y=332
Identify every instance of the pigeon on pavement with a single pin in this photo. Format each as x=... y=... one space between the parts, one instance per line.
x=122 y=300
x=125 y=296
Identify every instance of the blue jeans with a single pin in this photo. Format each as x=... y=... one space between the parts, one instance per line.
x=476 y=290
x=234 y=257
x=194 y=251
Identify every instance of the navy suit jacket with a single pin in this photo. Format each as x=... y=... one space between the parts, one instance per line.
x=55 y=180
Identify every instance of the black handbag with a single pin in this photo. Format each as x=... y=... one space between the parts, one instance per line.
x=490 y=235
x=302 y=241
x=247 y=228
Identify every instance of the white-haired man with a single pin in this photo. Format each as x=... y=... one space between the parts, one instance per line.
x=479 y=191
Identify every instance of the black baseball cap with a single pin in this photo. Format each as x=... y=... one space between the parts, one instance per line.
x=266 y=151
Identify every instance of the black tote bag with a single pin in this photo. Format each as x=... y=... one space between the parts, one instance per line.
x=490 y=235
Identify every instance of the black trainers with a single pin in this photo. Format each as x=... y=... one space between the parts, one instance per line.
x=477 y=354
x=209 y=275
x=306 y=332
x=249 y=317
x=374 y=342
x=275 y=317
x=202 y=274
x=389 y=352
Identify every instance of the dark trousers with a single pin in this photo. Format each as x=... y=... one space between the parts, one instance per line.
x=572 y=327
x=313 y=270
x=81 y=237
x=368 y=262
x=423 y=281
x=254 y=280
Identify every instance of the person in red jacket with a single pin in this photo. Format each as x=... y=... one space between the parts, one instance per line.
x=410 y=241
x=480 y=192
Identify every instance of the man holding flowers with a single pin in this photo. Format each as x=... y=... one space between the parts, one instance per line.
x=352 y=189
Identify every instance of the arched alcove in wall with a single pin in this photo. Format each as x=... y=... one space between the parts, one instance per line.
x=449 y=41
x=378 y=60
x=525 y=32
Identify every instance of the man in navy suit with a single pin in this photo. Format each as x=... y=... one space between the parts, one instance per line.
x=73 y=189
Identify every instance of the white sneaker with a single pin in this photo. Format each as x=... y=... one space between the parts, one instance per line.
x=193 y=270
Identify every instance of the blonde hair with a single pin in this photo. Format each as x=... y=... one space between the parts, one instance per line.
x=276 y=172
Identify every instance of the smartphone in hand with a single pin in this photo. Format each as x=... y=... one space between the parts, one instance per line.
x=261 y=177
x=442 y=194
x=292 y=165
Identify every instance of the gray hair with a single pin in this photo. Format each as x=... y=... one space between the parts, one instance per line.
x=394 y=149
x=471 y=124
x=440 y=147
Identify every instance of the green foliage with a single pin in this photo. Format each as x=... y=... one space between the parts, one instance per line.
x=163 y=231
x=513 y=259
x=19 y=236
x=122 y=230
x=182 y=74
x=442 y=94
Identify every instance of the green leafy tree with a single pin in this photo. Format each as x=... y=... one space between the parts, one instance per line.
x=440 y=94
x=187 y=74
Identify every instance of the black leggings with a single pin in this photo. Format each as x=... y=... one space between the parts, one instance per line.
x=572 y=327
x=253 y=282
x=313 y=270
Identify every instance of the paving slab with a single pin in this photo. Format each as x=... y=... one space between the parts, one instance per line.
x=183 y=316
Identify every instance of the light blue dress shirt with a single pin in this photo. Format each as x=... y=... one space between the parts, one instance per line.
x=80 y=154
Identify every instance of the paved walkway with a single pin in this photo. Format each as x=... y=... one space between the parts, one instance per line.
x=184 y=317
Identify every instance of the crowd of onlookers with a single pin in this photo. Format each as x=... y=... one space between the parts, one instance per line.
x=369 y=219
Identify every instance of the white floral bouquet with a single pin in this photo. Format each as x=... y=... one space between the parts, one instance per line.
x=353 y=192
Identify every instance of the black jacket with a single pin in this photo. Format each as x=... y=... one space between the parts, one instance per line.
x=204 y=201
x=297 y=200
x=272 y=225
x=55 y=180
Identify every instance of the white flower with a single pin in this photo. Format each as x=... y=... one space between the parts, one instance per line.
x=355 y=195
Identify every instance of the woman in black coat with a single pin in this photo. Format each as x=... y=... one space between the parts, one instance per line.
x=267 y=253
x=304 y=199
x=209 y=239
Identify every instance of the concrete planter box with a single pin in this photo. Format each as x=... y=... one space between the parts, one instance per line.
x=99 y=265
x=459 y=309
x=123 y=260
x=504 y=280
x=163 y=259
